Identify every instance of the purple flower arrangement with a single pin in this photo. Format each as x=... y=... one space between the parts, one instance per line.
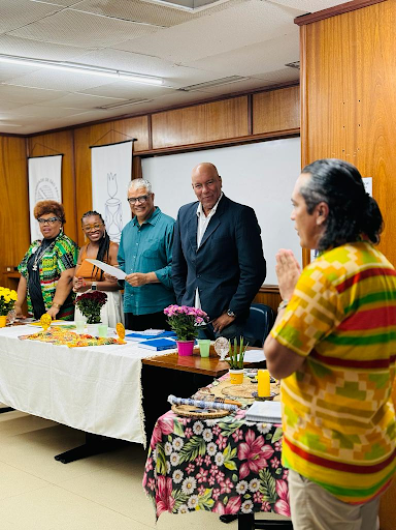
x=185 y=321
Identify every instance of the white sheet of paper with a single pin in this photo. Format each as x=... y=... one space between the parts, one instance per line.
x=113 y=271
x=254 y=356
x=153 y=332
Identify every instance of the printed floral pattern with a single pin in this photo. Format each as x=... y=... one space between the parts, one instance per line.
x=227 y=466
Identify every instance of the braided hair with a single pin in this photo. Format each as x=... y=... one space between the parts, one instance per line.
x=104 y=244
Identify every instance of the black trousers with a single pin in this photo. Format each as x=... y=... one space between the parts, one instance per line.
x=142 y=322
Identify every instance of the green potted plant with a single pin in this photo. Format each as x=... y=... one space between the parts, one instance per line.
x=236 y=356
x=185 y=322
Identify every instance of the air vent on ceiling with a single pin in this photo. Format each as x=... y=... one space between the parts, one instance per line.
x=296 y=64
x=187 y=5
x=128 y=103
x=217 y=82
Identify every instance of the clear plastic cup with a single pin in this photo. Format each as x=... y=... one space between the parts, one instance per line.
x=102 y=331
x=80 y=325
x=11 y=316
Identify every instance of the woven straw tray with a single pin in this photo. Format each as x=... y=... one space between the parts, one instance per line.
x=195 y=412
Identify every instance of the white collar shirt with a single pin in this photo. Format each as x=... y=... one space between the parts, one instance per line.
x=203 y=221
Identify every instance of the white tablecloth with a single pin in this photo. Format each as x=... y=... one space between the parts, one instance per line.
x=95 y=389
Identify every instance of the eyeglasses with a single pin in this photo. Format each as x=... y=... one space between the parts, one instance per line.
x=89 y=228
x=50 y=220
x=142 y=199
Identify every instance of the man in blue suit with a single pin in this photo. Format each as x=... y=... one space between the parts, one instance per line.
x=218 y=262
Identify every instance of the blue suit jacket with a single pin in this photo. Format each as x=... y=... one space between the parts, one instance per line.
x=229 y=266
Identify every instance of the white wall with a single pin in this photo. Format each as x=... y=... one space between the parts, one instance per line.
x=260 y=175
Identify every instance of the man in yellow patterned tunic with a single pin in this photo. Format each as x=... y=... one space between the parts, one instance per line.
x=334 y=347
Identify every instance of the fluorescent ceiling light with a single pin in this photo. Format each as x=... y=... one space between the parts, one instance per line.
x=75 y=68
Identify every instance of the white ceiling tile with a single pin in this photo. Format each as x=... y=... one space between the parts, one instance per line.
x=24 y=120
x=81 y=29
x=9 y=71
x=23 y=95
x=248 y=23
x=6 y=106
x=254 y=59
x=63 y=3
x=309 y=6
x=179 y=99
x=83 y=117
x=18 y=13
x=154 y=14
x=128 y=91
x=39 y=50
x=136 y=11
x=78 y=100
x=131 y=62
x=283 y=75
x=43 y=112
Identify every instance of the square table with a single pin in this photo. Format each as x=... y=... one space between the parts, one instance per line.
x=229 y=466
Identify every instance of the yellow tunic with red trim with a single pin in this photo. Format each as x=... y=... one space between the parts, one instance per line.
x=338 y=417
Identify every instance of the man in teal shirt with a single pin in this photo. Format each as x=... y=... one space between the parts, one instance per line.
x=145 y=255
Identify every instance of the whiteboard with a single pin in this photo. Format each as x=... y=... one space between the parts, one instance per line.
x=260 y=175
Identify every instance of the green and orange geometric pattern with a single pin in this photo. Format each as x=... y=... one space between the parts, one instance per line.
x=338 y=417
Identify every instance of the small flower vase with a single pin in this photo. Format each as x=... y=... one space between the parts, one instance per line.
x=3 y=321
x=185 y=347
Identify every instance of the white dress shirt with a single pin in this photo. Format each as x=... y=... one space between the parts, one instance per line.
x=203 y=221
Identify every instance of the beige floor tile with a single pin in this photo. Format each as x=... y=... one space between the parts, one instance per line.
x=14 y=482
x=14 y=423
x=34 y=453
x=119 y=488
x=8 y=525
x=54 y=508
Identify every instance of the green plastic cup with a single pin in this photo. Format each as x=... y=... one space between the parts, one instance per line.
x=204 y=347
x=102 y=331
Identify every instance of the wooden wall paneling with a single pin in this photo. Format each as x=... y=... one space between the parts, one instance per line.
x=268 y=295
x=54 y=144
x=102 y=134
x=349 y=99
x=276 y=110
x=201 y=123
x=14 y=212
x=137 y=167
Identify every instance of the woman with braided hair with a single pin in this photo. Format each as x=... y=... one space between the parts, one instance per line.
x=89 y=277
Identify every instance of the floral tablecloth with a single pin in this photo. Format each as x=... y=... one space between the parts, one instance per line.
x=227 y=466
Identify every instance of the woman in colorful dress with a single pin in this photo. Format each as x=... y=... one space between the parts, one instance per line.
x=47 y=268
x=89 y=277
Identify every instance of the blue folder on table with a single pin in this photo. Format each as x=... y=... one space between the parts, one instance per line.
x=158 y=344
x=139 y=337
